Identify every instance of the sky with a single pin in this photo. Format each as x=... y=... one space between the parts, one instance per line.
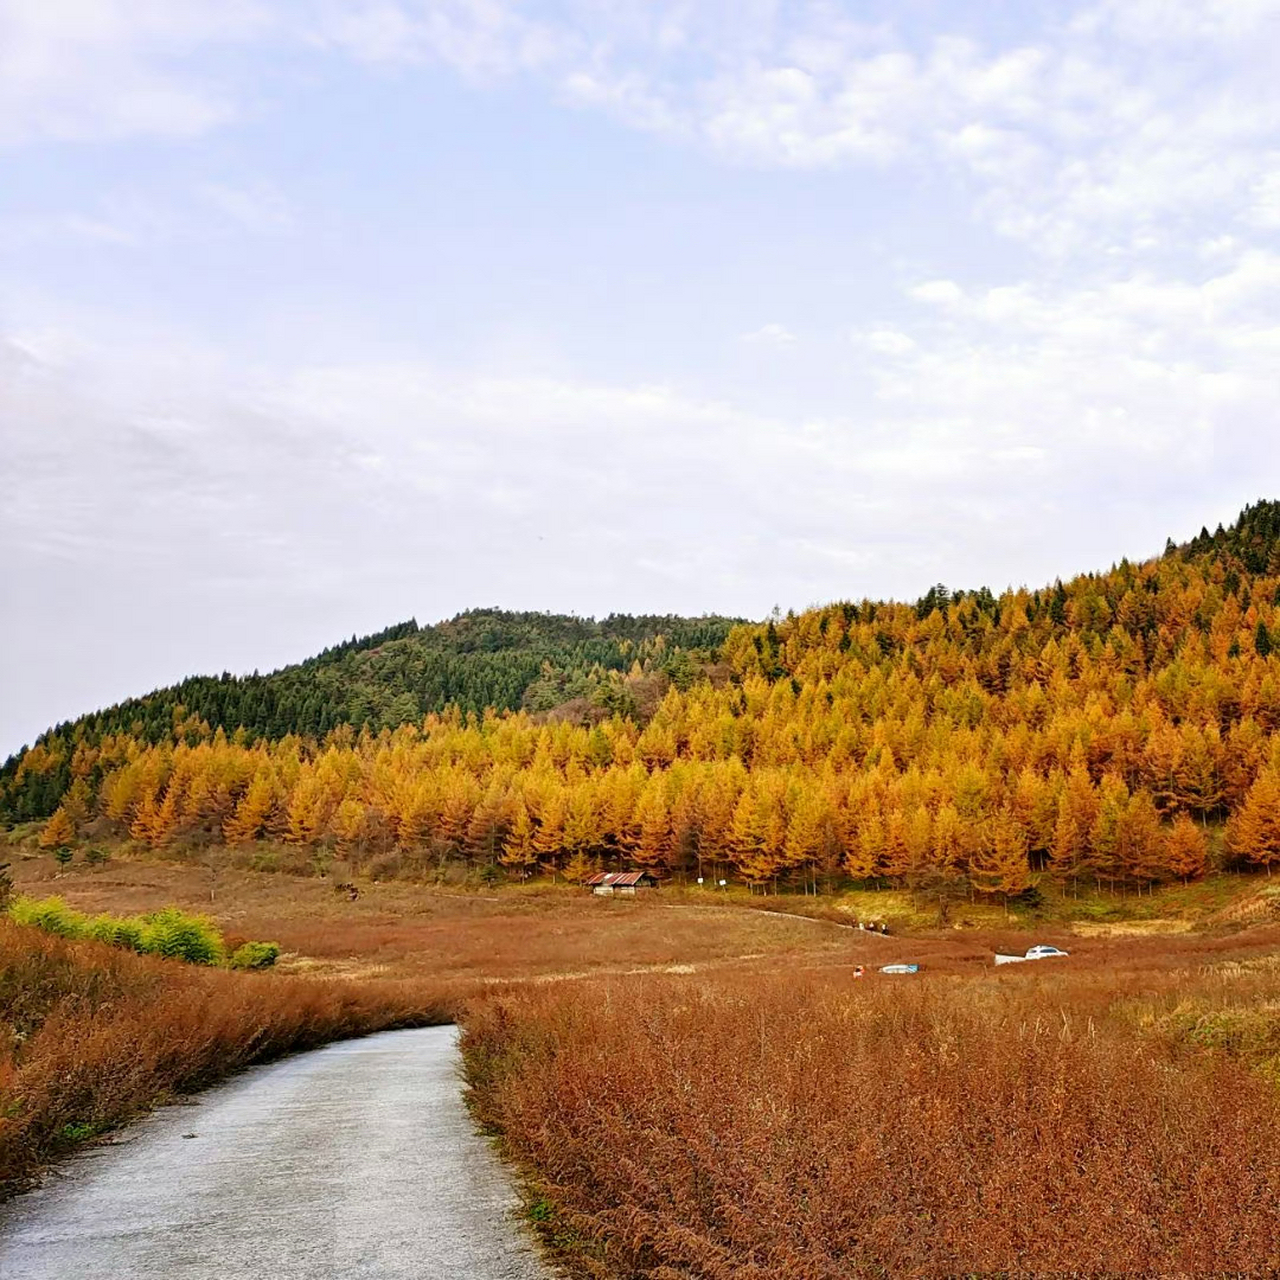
x=316 y=315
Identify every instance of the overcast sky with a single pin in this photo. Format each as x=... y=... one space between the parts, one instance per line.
x=318 y=315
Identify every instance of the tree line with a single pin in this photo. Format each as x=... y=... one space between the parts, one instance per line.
x=1094 y=729
x=480 y=659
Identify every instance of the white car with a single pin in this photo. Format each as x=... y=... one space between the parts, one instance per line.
x=1040 y=952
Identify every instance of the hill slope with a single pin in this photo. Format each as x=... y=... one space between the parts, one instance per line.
x=1091 y=728
x=482 y=658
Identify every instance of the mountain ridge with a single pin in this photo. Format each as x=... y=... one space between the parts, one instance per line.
x=1250 y=544
x=1085 y=725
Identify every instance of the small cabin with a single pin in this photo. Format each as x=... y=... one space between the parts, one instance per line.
x=625 y=883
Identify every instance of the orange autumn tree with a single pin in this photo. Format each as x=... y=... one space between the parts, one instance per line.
x=59 y=832
x=1186 y=849
x=1001 y=864
x=518 y=850
x=1253 y=833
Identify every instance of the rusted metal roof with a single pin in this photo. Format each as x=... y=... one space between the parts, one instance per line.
x=619 y=879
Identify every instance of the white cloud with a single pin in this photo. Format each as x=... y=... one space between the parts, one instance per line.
x=482 y=39
x=259 y=208
x=888 y=342
x=1135 y=382
x=773 y=335
x=1077 y=140
x=1127 y=389
x=941 y=293
x=1265 y=210
x=108 y=69
x=1181 y=22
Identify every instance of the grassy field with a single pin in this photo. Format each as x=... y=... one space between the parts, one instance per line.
x=694 y=1083
x=1079 y=1120
x=397 y=929
x=1084 y=908
x=509 y=931
x=491 y=937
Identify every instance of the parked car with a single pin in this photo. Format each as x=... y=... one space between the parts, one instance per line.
x=1042 y=951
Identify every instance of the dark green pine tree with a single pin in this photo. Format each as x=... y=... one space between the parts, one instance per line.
x=1262 y=640
x=1058 y=606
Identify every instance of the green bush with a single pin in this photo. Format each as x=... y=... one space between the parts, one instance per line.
x=103 y=929
x=129 y=933
x=72 y=1133
x=171 y=933
x=177 y=935
x=126 y=932
x=50 y=914
x=54 y=916
x=254 y=955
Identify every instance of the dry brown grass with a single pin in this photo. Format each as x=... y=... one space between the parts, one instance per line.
x=91 y=1036
x=741 y=1107
x=1031 y=1121
x=406 y=930
x=397 y=929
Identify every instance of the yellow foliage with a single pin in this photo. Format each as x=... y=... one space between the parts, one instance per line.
x=58 y=832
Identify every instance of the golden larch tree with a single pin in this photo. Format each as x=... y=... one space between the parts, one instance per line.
x=59 y=832
x=1253 y=833
x=1186 y=849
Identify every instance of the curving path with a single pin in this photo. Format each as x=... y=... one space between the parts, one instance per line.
x=357 y=1160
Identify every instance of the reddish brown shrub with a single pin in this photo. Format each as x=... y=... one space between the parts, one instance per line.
x=819 y=1128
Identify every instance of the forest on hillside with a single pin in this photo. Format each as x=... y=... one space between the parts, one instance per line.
x=1093 y=729
x=482 y=659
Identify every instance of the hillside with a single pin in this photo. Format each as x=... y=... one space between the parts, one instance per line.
x=480 y=659
x=1093 y=729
